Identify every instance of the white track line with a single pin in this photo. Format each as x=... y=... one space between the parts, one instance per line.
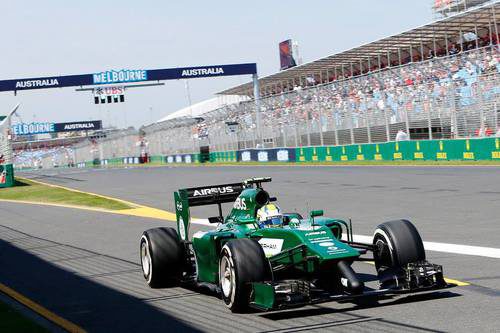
x=488 y=252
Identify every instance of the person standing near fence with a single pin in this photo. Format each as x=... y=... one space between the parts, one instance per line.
x=402 y=136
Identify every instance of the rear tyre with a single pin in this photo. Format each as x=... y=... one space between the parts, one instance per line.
x=397 y=243
x=241 y=261
x=162 y=257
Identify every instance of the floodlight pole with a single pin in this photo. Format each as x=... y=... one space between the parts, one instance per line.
x=256 y=95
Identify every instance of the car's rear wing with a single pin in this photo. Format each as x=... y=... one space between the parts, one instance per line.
x=212 y=195
x=202 y=196
x=207 y=195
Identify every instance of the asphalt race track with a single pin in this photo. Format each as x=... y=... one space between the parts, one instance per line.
x=84 y=266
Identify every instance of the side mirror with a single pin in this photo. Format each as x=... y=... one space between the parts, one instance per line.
x=316 y=213
x=215 y=219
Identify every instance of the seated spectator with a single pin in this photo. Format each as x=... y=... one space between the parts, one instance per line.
x=483 y=131
x=453 y=50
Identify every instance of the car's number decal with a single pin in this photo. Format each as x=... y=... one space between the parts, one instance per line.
x=240 y=204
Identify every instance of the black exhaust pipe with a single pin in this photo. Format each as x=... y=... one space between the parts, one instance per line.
x=349 y=279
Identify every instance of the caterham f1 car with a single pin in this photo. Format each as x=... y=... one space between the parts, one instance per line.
x=265 y=259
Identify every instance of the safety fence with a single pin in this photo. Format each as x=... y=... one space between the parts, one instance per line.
x=486 y=149
x=115 y=145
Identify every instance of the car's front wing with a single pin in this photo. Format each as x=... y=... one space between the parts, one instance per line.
x=277 y=295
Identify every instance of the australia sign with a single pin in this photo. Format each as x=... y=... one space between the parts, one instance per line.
x=127 y=76
x=78 y=126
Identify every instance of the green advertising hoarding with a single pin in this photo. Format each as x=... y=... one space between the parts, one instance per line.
x=6 y=175
x=428 y=150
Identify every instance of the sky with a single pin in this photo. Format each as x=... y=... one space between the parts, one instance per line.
x=60 y=37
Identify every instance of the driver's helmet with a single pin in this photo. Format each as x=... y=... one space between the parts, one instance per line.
x=269 y=216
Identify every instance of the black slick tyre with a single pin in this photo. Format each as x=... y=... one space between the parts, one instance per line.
x=241 y=261
x=397 y=243
x=162 y=257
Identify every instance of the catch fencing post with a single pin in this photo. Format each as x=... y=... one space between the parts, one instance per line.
x=308 y=129
x=320 y=120
x=335 y=124
x=454 y=120
x=256 y=96
x=295 y=128
x=286 y=136
x=497 y=125
x=387 y=131
x=367 y=117
x=481 y=106
x=429 y=119
x=351 y=125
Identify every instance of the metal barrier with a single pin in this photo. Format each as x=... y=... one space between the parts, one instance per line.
x=117 y=144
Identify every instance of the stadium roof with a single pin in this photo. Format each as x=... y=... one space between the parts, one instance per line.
x=447 y=28
x=446 y=7
x=196 y=110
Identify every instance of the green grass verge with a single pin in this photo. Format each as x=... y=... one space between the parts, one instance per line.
x=29 y=191
x=13 y=321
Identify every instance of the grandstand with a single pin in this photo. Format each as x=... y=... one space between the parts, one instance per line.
x=439 y=80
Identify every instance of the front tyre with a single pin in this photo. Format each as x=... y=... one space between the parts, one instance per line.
x=241 y=261
x=162 y=257
x=397 y=243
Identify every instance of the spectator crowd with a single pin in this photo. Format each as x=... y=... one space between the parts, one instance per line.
x=463 y=81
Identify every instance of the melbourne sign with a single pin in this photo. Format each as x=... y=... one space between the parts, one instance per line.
x=120 y=76
x=44 y=128
x=33 y=128
x=127 y=76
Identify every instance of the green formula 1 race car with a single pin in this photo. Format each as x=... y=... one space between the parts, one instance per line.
x=264 y=259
